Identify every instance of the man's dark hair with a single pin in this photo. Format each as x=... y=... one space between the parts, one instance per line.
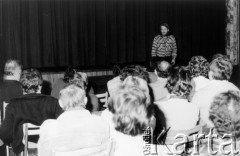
x=31 y=80
x=69 y=74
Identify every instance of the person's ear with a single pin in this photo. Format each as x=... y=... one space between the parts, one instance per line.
x=210 y=75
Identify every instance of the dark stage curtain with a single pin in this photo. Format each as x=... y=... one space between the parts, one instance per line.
x=53 y=33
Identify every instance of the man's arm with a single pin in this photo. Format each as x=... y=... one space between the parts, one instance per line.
x=154 y=46
x=174 y=50
x=6 y=129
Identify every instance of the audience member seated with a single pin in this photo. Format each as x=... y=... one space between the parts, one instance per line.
x=152 y=74
x=11 y=87
x=74 y=129
x=219 y=74
x=179 y=113
x=220 y=55
x=92 y=103
x=62 y=82
x=32 y=107
x=225 y=116
x=198 y=67
x=70 y=75
x=130 y=81
x=116 y=81
x=158 y=88
x=130 y=117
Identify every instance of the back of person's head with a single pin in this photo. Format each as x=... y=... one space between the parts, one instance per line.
x=116 y=70
x=138 y=82
x=217 y=55
x=198 y=66
x=179 y=82
x=220 y=69
x=225 y=113
x=12 y=70
x=72 y=97
x=130 y=110
x=163 y=69
x=78 y=80
x=31 y=80
x=133 y=70
x=69 y=74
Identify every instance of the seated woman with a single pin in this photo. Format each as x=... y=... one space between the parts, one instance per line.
x=179 y=113
x=225 y=115
x=130 y=117
x=128 y=82
x=71 y=75
x=198 y=67
x=75 y=128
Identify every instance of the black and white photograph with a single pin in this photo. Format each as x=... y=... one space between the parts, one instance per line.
x=119 y=78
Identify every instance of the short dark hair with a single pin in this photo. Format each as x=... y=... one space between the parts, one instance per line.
x=31 y=80
x=130 y=110
x=179 y=82
x=198 y=66
x=167 y=26
x=222 y=68
x=134 y=70
x=225 y=113
x=69 y=74
x=78 y=81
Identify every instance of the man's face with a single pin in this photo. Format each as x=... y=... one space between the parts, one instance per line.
x=164 y=30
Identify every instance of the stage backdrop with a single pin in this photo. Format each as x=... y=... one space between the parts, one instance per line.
x=53 y=33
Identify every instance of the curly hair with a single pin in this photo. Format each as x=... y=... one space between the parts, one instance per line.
x=130 y=110
x=225 y=113
x=221 y=68
x=198 y=66
x=217 y=55
x=31 y=80
x=179 y=82
x=133 y=70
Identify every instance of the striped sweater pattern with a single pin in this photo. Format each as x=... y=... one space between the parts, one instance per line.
x=164 y=46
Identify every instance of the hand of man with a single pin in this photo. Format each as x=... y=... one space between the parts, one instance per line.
x=173 y=61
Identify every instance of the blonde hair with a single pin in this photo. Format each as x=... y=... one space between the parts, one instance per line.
x=138 y=82
x=130 y=110
x=72 y=97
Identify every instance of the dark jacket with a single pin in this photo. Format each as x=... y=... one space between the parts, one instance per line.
x=9 y=89
x=30 y=108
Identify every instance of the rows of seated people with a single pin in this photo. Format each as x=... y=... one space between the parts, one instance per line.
x=162 y=98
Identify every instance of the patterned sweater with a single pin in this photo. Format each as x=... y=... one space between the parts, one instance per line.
x=164 y=46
